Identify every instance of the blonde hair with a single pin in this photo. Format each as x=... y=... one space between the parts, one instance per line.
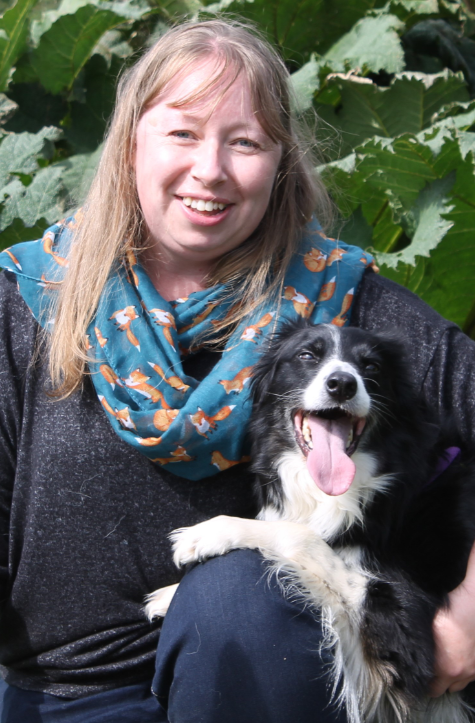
x=112 y=223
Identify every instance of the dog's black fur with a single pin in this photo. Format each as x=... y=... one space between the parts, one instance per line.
x=416 y=534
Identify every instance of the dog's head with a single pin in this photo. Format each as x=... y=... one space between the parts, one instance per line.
x=321 y=390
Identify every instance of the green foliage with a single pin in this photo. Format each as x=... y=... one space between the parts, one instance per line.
x=396 y=80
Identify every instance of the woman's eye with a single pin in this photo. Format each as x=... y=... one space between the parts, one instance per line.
x=246 y=143
x=182 y=134
x=306 y=356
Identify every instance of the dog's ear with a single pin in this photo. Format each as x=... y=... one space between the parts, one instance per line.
x=265 y=369
x=263 y=376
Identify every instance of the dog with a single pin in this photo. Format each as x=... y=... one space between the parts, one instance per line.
x=366 y=514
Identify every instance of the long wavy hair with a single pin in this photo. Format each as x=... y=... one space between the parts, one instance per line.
x=112 y=225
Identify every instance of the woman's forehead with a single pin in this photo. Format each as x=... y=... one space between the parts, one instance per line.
x=203 y=84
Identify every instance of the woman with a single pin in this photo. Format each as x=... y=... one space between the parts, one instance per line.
x=123 y=426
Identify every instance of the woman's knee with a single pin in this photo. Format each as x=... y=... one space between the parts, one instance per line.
x=232 y=639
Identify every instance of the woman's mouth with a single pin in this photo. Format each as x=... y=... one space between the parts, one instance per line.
x=207 y=208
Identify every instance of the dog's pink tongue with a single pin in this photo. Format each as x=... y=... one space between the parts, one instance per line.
x=330 y=468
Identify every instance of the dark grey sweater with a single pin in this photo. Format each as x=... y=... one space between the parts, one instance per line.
x=84 y=518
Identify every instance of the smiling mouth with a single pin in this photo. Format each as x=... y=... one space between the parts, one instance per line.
x=207 y=208
x=328 y=438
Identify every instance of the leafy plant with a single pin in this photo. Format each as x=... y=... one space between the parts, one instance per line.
x=395 y=79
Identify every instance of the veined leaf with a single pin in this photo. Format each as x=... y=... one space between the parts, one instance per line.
x=449 y=287
x=65 y=48
x=365 y=109
x=8 y=108
x=429 y=226
x=19 y=152
x=372 y=44
x=14 y=24
x=17 y=231
x=78 y=174
x=299 y=29
x=89 y=118
x=125 y=8
x=43 y=198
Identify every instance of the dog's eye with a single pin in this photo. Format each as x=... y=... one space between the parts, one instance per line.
x=306 y=356
x=371 y=366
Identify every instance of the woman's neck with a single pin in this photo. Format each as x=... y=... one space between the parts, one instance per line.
x=175 y=281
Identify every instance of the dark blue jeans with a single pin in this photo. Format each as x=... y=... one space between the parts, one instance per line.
x=232 y=650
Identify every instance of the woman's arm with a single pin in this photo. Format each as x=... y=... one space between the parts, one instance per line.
x=454 y=632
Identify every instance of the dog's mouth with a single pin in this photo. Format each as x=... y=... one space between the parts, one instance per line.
x=328 y=438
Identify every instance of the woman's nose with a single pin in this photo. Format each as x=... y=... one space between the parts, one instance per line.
x=209 y=163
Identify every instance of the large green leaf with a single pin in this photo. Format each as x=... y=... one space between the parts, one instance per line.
x=78 y=174
x=299 y=28
x=129 y=9
x=427 y=224
x=88 y=119
x=66 y=47
x=372 y=45
x=364 y=109
x=14 y=25
x=19 y=152
x=43 y=198
x=17 y=232
x=449 y=287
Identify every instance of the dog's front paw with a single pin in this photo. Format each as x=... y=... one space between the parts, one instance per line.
x=207 y=539
x=158 y=602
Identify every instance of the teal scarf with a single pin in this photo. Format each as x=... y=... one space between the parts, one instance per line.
x=137 y=341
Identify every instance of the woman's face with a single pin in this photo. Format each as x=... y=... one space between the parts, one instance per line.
x=204 y=173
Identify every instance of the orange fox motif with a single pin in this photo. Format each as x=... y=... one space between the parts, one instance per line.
x=122 y=415
x=149 y=441
x=327 y=290
x=201 y=317
x=250 y=332
x=110 y=376
x=181 y=300
x=237 y=383
x=14 y=259
x=138 y=381
x=222 y=463
x=48 y=285
x=48 y=241
x=315 y=260
x=88 y=343
x=163 y=418
x=165 y=320
x=132 y=261
x=339 y=319
x=123 y=319
x=336 y=255
x=204 y=424
x=172 y=381
x=302 y=305
x=101 y=339
x=179 y=455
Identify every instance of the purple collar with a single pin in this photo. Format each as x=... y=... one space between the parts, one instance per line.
x=448 y=456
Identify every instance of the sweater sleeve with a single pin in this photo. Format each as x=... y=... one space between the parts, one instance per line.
x=441 y=356
x=17 y=334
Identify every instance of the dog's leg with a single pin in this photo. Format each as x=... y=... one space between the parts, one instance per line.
x=158 y=602
x=285 y=543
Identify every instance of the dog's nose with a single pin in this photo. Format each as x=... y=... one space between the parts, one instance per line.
x=341 y=386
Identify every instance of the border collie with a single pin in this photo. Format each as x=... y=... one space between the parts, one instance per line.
x=363 y=514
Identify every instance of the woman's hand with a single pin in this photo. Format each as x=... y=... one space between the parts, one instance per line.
x=454 y=633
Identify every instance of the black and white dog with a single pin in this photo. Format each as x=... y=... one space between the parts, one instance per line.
x=363 y=514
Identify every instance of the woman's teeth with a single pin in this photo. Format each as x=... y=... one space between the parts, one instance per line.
x=201 y=205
